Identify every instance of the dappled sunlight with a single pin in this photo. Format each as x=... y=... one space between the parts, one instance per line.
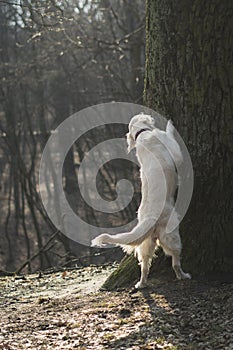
x=64 y=310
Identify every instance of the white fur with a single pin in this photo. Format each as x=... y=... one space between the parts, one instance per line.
x=156 y=151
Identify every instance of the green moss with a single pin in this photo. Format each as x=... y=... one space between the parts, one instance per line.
x=125 y=275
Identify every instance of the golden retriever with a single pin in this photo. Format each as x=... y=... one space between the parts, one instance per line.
x=158 y=152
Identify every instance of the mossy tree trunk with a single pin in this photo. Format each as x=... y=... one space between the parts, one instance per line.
x=127 y=272
x=189 y=78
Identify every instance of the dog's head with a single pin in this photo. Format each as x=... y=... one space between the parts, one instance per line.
x=138 y=122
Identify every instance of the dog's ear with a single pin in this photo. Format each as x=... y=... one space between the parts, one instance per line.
x=130 y=141
x=170 y=128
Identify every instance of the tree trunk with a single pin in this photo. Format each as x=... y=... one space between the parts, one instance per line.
x=189 y=78
x=126 y=274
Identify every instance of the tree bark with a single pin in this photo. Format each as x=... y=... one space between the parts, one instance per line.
x=126 y=274
x=189 y=78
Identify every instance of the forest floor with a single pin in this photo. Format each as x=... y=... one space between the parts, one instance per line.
x=66 y=310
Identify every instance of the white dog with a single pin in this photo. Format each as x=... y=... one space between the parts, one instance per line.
x=157 y=152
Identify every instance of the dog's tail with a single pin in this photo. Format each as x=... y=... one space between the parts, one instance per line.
x=133 y=238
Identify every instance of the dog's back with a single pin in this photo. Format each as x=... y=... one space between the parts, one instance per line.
x=158 y=154
x=157 y=163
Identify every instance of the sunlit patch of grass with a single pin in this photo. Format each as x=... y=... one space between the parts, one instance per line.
x=122 y=321
x=108 y=336
x=162 y=343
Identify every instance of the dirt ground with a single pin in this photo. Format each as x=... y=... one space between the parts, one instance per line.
x=66 y=310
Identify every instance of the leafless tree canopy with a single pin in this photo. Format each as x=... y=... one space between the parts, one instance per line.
x=58 y=57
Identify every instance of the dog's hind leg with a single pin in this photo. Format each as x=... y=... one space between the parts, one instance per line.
x=171 y=244
x=144 y=254
x=180 y=274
